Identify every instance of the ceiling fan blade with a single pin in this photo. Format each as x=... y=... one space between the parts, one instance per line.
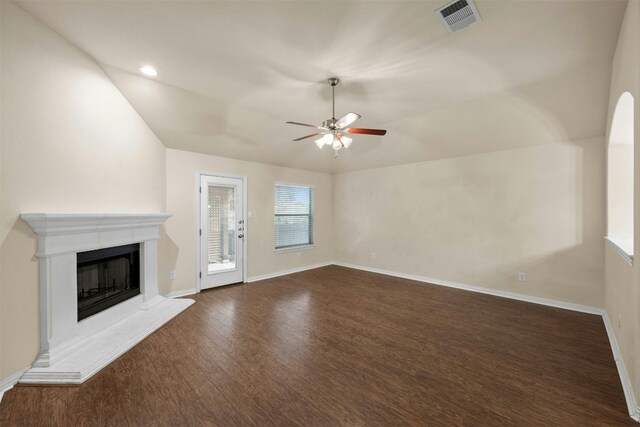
x=347 y=120
x=304 y=124
x=308 y=136
x=364 y=131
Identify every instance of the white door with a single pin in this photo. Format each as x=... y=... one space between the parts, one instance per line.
x=221 y=231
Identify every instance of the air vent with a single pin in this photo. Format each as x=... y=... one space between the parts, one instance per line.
x=458 y=15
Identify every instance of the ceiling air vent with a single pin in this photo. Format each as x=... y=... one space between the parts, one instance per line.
x=458 y=15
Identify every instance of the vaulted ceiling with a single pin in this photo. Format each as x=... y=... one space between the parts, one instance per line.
x=231 y=73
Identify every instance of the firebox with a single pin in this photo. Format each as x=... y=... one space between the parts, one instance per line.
x=107 y=277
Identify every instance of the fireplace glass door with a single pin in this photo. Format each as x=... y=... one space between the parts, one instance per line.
x=107 y=277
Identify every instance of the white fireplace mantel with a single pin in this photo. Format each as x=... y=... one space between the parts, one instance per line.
x=60 y=233
x=71 y=351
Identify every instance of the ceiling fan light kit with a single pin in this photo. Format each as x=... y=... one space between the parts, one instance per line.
x=334 y=131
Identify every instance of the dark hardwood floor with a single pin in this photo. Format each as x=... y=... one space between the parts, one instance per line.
x=335 y=346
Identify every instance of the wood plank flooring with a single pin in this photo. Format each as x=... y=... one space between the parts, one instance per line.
x=336 y=346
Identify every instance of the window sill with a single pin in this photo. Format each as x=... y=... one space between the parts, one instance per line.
x=294 y=249
x=622 y=245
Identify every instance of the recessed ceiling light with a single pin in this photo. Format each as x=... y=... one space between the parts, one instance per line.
x=148 y=70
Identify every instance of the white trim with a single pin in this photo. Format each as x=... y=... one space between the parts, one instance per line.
x=290 y=271
x=181 y=293
x=45 y=224
x=611 y=241
x=293 y=184
x=478 y=289
x=294 y=248
x=8 y=383
x=629 y=395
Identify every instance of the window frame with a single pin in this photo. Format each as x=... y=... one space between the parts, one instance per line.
x=310 y=215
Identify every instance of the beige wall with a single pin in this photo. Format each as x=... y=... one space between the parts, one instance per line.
x=481 y=219
x=178 y=250
x=622 y=294
x=70 y=143
x=620 y=165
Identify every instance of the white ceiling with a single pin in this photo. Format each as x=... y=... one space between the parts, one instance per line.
x=231 y=73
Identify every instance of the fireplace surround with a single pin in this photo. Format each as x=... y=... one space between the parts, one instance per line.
x=72 y=349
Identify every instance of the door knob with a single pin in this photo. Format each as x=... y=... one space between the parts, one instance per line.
x=240 y=236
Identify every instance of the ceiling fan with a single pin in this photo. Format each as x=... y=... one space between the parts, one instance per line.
x=334 y=131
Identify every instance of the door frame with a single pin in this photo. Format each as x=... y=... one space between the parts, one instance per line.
x=243 y=216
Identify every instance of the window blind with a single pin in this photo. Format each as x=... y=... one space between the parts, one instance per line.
x=293 y=216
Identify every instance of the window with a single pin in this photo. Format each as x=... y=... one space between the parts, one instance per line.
x=620 y=178
x=294 y=216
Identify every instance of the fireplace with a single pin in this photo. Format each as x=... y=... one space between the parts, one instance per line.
x=88 y=263
x=107 y=277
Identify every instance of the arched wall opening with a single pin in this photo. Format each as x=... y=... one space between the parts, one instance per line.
x=620 y=175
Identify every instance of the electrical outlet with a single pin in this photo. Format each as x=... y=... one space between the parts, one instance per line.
x=172 y=274
x=522 y=277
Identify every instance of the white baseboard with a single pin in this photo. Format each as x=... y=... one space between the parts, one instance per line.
x=8 y=383
x=252 y=279
x=478 y=289
x=181 y=293
x=632 y=404
x=629 y=395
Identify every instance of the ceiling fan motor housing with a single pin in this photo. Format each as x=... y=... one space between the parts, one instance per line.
x=330 y=123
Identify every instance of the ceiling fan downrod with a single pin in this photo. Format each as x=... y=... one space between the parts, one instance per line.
x=333 y=81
